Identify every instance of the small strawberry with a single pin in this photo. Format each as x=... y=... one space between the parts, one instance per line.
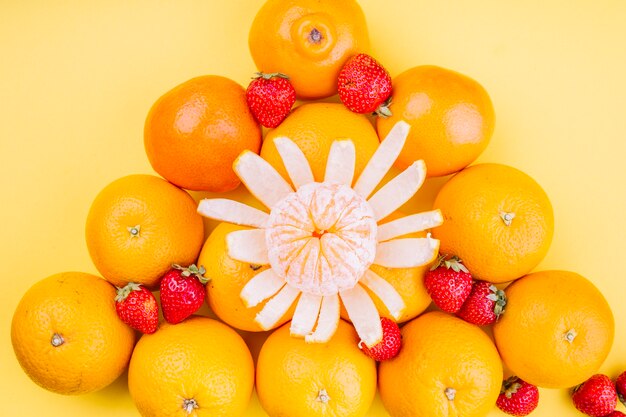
x=620 y=385
x=364 y=86
x=388 y=347
x=596 y=396
x=137 y=307
x=449 y=283
x=484 y=305
x=270 y=97
x=517 y=397
x=182 y=292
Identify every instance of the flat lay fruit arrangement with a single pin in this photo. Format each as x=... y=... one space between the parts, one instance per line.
x=324 y=240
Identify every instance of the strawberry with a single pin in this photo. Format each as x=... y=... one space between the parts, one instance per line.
x=270 y=97
x=596 y=396
x=620 y=385
x=517 y=397
x=137 y=307
x=484 y=305
x=616 y=414
x=449 y=283
x=388 y=347
x=364 y=86
x=182 y=292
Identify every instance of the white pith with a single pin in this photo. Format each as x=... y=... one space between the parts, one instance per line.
x=320 y=238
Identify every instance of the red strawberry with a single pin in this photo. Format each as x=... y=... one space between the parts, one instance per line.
x=484 y=305
x=449 y=283
x=270 y=97
x=388 y=347
x=596 y=396
x=616 y=414
x=365 y=86
x=620 y=385
x=182 y=292
x=137 y=307
x=517 y=397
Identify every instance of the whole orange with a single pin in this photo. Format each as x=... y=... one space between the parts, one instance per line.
x=314 y=127
x=451 y=116
x=138 y=226
x=497 y=219
x=446 y=367
x=295 y=378
x=309 y=40
x=199 y=367
x=228 y=277
x=67 y=336
x=195 y=131
x=557 y=329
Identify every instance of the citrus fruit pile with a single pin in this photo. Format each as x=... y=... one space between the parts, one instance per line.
x=316 y=249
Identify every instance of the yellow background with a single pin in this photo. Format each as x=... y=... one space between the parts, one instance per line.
x=78 y=77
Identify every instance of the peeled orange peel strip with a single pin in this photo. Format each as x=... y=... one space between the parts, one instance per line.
x=305 y=316
x=261 y=179
x=410 y=224
x=341 y=162
x=406 y=252
x=276 y=307
x=398 y=191
x=385 y=292
x=261 y=287
x=295 y=162
x=248 y=246
x=363 y=314
x=327 y=322
x=232 y=212
x=321 y=238
x=382 y=160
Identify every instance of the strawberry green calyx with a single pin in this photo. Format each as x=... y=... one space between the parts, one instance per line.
x=499 y=297
x=510 y=386
x=383 y=110
x=124 y=292
x=270 y=75
x=193 y=270
x=453 y=263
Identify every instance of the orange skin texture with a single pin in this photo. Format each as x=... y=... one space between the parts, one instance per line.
x=171 y=231
x=451 y=117
x=472 y=203
x=79 y=307
x=440 y=351
x=200 y=359
x=542 y=308
x=195 y=131
x=308 y=40
x=290 y=374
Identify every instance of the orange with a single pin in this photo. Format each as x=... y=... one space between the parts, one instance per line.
x=314 y=127
x=309 y=40
x=497 y=219
x=446 y=367
x=199 y=367
x=451 y=116
x=194 y=132
x=138 y=226
x=557 y=329
x=67 y=336
x=227 y=278
x=295 y=378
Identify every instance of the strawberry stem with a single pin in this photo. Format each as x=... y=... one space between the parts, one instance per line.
x=192 y=270
x=383 y=110
x=270 y=75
